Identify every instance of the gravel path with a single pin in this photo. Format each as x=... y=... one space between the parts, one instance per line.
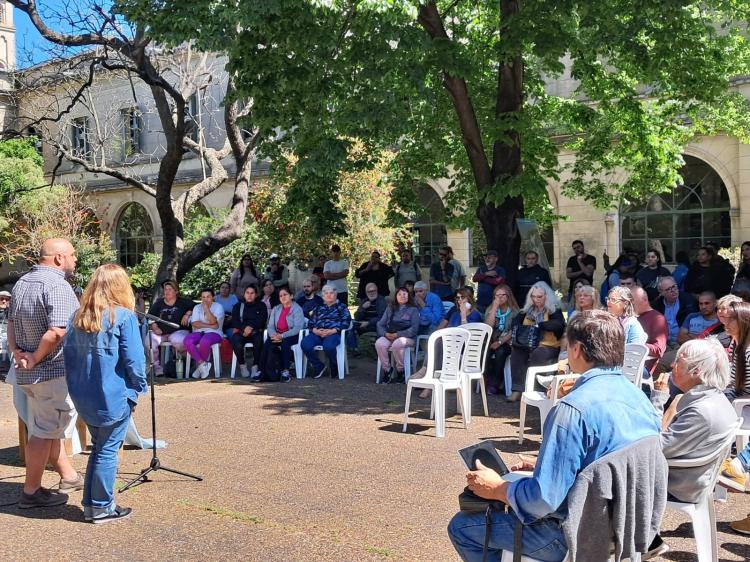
x=313 y=470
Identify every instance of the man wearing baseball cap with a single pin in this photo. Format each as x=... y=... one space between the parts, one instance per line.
x=488 y=276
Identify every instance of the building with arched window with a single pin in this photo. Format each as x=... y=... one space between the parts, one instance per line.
x=134 y=234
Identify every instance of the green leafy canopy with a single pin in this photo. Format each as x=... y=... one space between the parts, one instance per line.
x=644 y=77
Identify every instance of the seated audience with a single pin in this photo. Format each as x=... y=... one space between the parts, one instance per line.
x=227 y=300
x=576 y=286
x=367 y=315
x=325 y=325
x=626 y=280
x=397 y=331
x=741 y=288
x=172 y=308
x=655 y=326
x=599 y=402
x=277 y=273
x=242 y=277
x=441 y=277
x=541 y=310
x=269 y=295
x=737 y=324
x=703 y=323
x=249 y=319
x=409 y=286
x=463 y=312
x=373 y=271
x=487 y=277
x=648 y=276
x=585 y=299
x=284 y=325
x=430 y=306
x=620 y=305
x=500 y=314
x=207 y=320
x=528 y=274
x=307 y=298
x=675 y=306
x=406 y=270
x=697 y=423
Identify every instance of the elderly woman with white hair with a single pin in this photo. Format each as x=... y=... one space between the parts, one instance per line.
x=698 y=422
x=620 y=305
x=325 y=324
x=536 y=333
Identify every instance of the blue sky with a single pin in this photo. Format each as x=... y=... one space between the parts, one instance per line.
x=28 y=39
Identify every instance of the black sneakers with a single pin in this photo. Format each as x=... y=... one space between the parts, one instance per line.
x=321 y=372
x=41 y=498
x=118 y=513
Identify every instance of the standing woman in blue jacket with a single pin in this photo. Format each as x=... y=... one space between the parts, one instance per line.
x=105 y=371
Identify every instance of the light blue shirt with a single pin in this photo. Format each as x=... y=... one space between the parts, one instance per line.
x=670 y=314
x=634 y=332
x=227 y=303
x=106 y=370
x=603 y=413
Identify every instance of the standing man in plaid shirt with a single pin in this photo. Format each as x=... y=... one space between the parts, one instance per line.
x=41 y=306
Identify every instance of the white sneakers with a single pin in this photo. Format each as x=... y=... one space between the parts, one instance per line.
x=202 y=370
x=244 y=373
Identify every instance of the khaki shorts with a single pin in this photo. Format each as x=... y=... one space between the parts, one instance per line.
x=50 y=409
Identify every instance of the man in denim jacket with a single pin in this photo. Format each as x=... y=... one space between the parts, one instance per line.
x=603 y=413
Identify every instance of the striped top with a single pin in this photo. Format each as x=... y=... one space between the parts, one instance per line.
x=731 y=391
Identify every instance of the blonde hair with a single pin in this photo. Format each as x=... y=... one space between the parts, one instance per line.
x=586 y=289
x=551 y=304
x=109 y=287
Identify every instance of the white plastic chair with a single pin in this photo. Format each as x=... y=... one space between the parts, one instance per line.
x=473 y=363
x=439 y=381
x=342 y=360
x=635 y=359
x=215 y=350
x=419 y=354
x=248 y=345
x=508 y=377
x=410 y=352
x=535 y=398
x=703 y=514
x=743 y=432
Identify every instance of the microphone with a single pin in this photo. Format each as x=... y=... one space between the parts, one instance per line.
x=158 y=320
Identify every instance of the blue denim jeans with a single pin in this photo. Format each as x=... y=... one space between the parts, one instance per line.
x=744 y=456
x=99 y=483
x=542 y=540
x=329 y=348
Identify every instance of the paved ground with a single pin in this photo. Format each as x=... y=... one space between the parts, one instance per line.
x=306 y=471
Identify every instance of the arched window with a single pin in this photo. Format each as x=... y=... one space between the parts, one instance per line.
x=430 y=233
x=694 y=213
x=133 y=235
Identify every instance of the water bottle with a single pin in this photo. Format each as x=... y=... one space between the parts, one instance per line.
x=179 y=366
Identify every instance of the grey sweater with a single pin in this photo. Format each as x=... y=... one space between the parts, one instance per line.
x=704 y=422
x=295 y=320
x=620 y=497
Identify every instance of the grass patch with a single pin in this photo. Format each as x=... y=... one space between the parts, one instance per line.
x=222 y=512
x=381 y=551
x=392 y=403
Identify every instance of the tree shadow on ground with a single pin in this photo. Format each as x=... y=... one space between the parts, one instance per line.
x=742 y=551
x=10 y=492
x=357 y=393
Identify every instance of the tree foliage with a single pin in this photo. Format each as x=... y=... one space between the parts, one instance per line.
x=461 y=88
x=275 y=225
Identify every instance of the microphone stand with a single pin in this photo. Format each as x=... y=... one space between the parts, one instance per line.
x=155 y=463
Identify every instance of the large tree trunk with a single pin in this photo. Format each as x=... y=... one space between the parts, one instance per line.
x=499 y=222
